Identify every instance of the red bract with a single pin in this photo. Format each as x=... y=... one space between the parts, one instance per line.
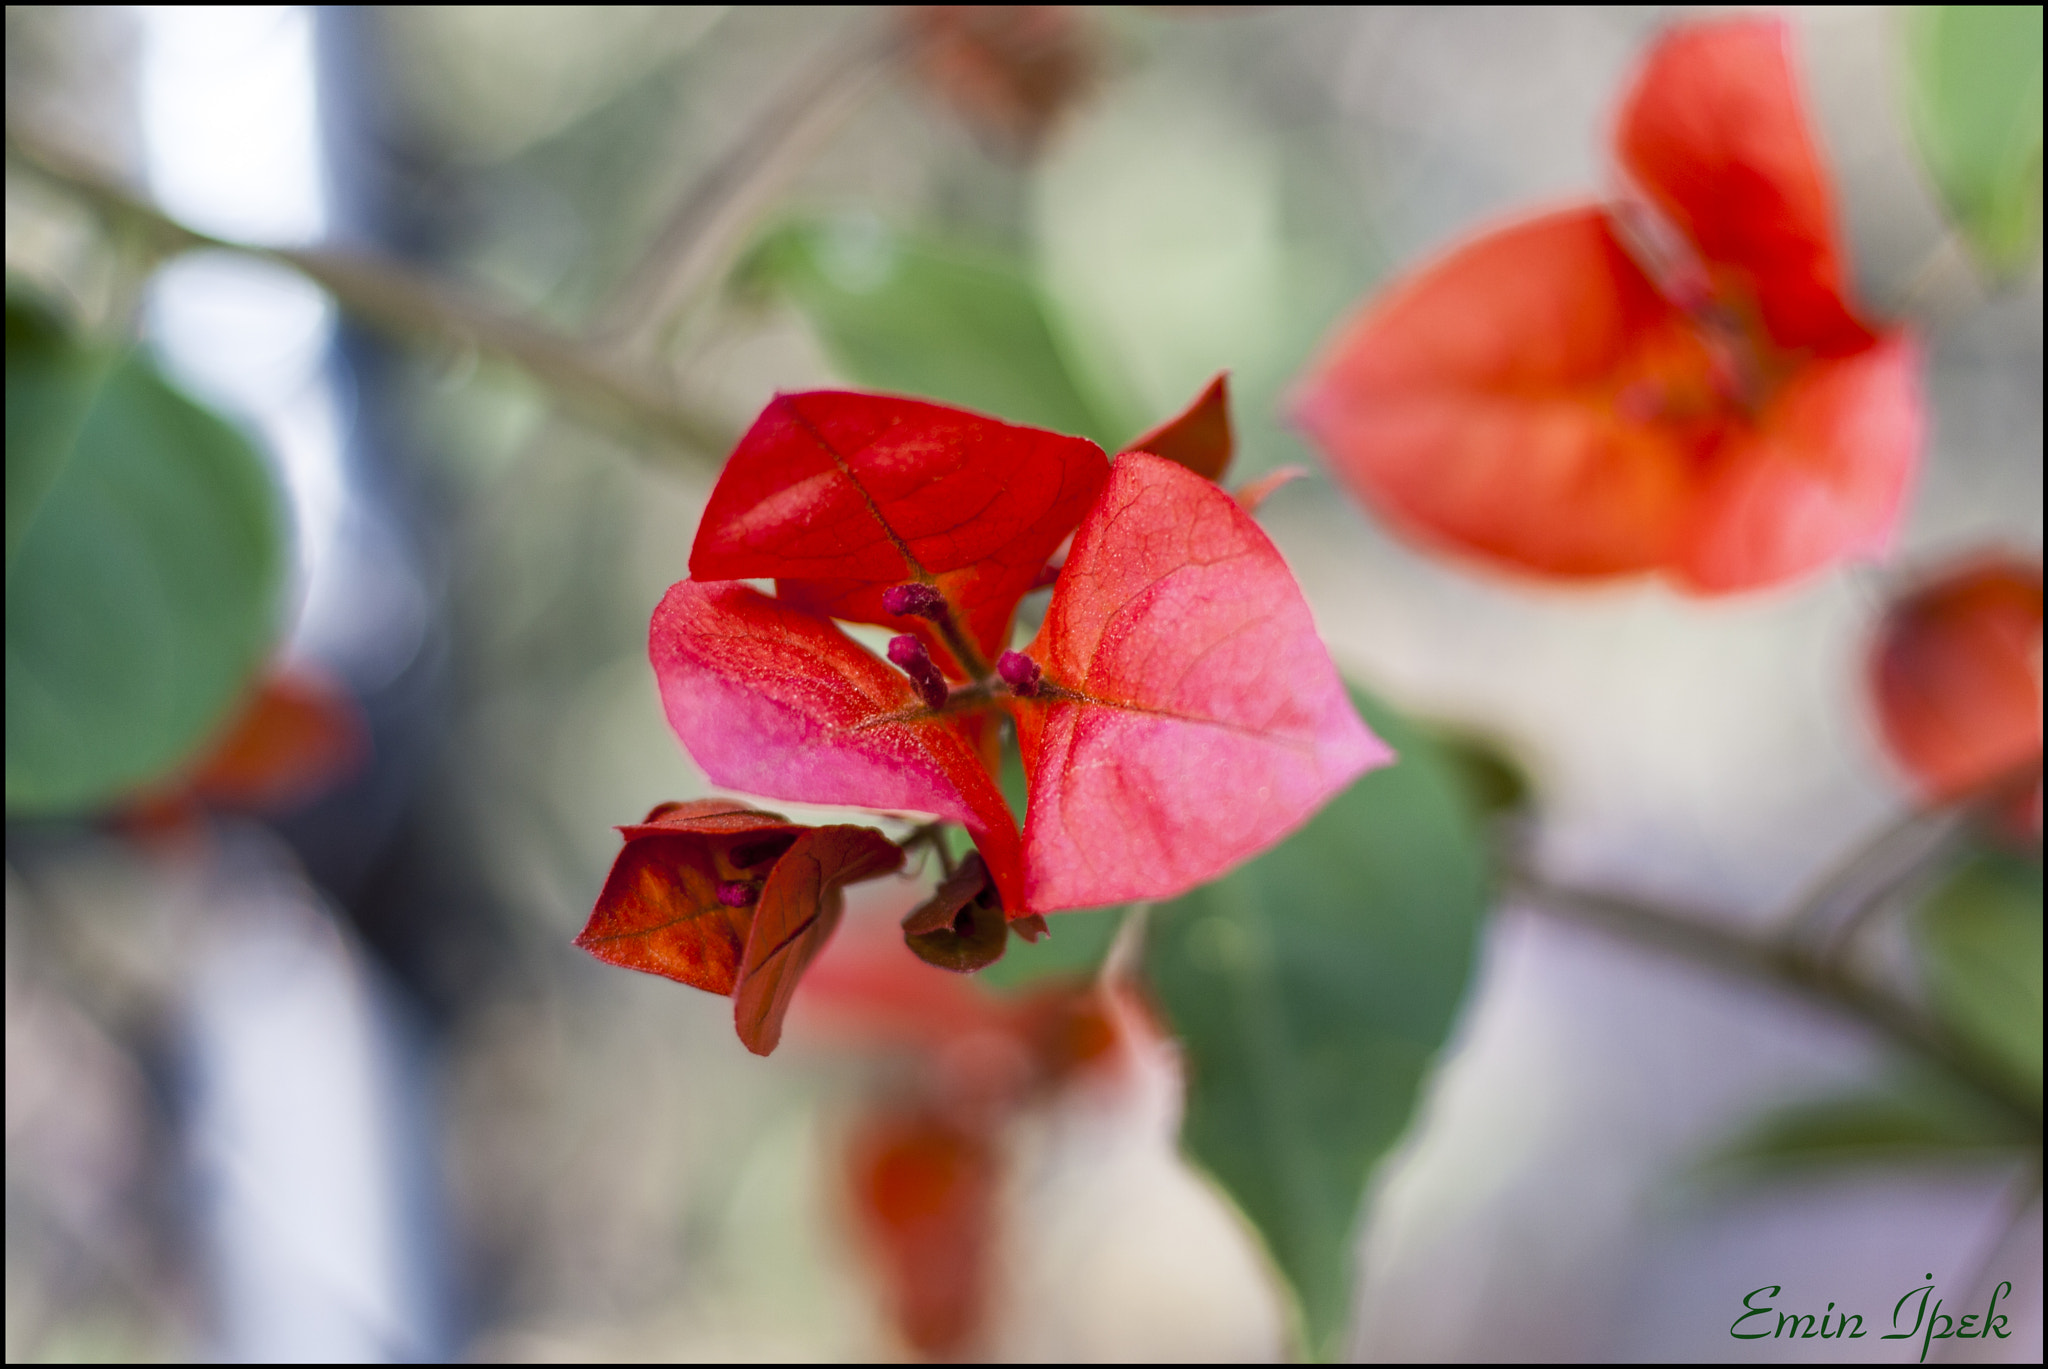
x=1676 y=382
x=732 y=900
x=1190 y=716
x=1177 y=715
x=839 y=497
x=1956 y=676
x=1198 y=437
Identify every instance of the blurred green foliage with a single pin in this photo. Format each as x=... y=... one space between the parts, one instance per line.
x=1974 y=94
x=146 y=555
x=1911 y=1119
x=1311 y=990
x=917 y=317
x=1979 y=939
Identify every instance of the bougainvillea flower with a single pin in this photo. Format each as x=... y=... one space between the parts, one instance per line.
x=1674 y=382
x=1178 y=714
x=1955 y=674
x=731 y=900
x=924 y=1198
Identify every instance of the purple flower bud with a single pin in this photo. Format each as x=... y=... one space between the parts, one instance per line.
x=1019 y=672
x=916 y=662
x=908 y=652
x=735 y=893
x=913 y=600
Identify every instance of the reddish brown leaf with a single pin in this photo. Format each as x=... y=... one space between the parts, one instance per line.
x=799 y=909
x=660 y=911
x=961 y=927
x=1199 y=437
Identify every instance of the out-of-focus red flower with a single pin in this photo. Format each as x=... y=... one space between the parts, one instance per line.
x=1674 y=382
x=1011 y=72
x=297 y=736
x=926 y=1165
x=731 y=900
x=924 y=1198
x=1177 y=713
x=1956 y=676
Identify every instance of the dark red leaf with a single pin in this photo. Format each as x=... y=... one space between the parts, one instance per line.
x=773 y=700
x=799 y=909
x=1189 y=715
x=660 y=911
x=840 y=497
x=1199 y=437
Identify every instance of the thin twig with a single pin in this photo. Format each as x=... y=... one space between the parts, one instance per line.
x=711 y=220
x=399 y=300
x=1697 y=938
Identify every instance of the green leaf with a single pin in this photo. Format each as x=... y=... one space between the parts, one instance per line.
x=50 y=383
x=1912 y=1120
x=927 y=319
x=1980 y=950
x=1974 y=93
x=1311 y=990
x=143 y=588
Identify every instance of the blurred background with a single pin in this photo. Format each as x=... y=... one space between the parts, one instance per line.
x=332 y=1083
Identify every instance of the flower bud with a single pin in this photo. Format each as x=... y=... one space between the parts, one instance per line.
x=1020 y=673
x=916 y=662
x=913 y=600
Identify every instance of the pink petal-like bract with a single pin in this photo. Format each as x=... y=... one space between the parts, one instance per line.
x=839 y=496
x=1192 y=717
x=773 y=700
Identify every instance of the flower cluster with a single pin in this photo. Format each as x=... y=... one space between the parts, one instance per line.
x=1673 y=381
x=1176 y=712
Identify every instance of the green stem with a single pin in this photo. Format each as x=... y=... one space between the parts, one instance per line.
x=1697 y=938
x=706 y=227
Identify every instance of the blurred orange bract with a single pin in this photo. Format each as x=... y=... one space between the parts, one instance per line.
x=1956 y=676
x=1676 y=382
